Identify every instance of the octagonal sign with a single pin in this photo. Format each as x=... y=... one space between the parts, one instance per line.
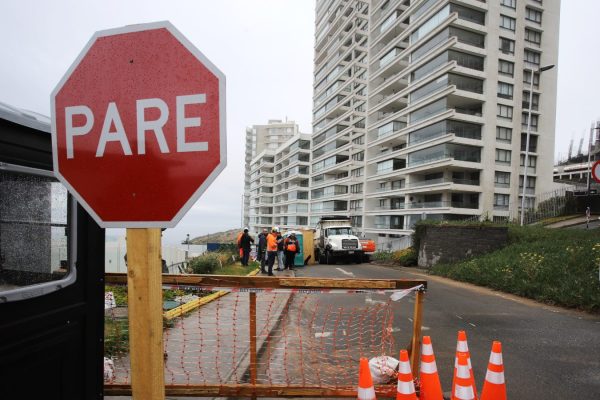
x=138 y=126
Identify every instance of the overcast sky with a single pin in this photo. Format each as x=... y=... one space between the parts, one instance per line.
x=265 y=48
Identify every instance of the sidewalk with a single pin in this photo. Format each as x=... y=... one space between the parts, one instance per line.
x=211 y=345
x=572 y=222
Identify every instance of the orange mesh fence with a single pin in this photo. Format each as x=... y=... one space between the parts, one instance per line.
x=303 y=338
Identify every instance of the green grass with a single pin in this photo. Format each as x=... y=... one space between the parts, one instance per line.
x=237 y=269
x=556 y=266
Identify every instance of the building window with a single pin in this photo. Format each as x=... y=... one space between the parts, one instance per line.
x=503 y=134
x=535 y=101
x=360 y=156
x=356 y=221
x=531 y=161
x=530 y=184
x=505 y=112
x=502 y=156
x=501 y=200
x=508 y=23
x=532 y=143
x=507 y=46
x=527 y=78
x=509 y=3
x=533 y=15
x=502 y=179
x=357 y=188
x=532 y=36
x=359 y=140
x=534 y=121
x=506 y=67
x=505 y=90
x=356 y=204
x=357 y=172
x=532 y=57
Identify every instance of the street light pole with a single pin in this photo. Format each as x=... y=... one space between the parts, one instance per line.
x=528 y=136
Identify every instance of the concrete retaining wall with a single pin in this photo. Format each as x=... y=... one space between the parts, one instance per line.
x=454 y=243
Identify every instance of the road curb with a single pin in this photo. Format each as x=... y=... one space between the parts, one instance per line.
x=194 y=304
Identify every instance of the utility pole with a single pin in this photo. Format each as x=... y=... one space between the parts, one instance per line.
x=526 y=161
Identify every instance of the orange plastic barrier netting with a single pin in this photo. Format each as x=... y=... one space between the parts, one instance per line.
x=301 y=339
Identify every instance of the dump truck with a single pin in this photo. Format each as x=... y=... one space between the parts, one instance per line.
x=334 y=241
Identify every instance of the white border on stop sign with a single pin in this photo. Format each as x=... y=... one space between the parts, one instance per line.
x=222 y=125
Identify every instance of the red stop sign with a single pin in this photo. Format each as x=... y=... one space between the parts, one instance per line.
x=138 y=126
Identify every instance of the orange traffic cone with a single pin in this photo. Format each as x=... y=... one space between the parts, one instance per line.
x=366 y=390
x=431 y=389
x=494 y=387
x=463 y=348
x=406 y=385
x=462 y=387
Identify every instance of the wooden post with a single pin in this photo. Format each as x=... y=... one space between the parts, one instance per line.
x=416 y=336
x=144 y=292
x=253 y=349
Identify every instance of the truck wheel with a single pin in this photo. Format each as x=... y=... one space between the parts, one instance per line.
x=358 y=259
x=320 y=257
x=329 y=259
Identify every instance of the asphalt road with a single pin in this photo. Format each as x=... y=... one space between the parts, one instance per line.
x=549 y=352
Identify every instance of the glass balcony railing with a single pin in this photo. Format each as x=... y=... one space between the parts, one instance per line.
x=443 y=204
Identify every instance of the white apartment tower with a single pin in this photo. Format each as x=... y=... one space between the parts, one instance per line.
x=263 y=140
x=421 y=109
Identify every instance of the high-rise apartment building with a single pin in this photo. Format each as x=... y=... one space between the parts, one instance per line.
x=421 y=109
x=263 y=139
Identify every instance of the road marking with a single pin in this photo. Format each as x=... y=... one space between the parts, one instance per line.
x=410 y=319
x=345 y=272
x=425 y=328
x=458 y=316
x=392 y=330
x=322 y=334
x=473 y=325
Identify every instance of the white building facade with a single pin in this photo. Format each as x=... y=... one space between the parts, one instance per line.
x=421 y=109
x=260 y=138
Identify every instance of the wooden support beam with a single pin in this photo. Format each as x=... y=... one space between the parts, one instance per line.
x=259 y=390
x=253 y=350
x=415 y=345
x=144 y=293
x=278 y=282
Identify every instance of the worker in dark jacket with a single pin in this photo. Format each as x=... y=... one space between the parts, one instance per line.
x=245 y=243
x=262 y=249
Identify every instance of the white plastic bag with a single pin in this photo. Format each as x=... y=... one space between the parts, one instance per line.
x=383 y=369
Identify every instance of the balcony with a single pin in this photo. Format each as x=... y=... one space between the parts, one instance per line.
x=443 y=204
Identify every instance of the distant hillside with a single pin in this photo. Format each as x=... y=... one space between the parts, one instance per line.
x=219 y=237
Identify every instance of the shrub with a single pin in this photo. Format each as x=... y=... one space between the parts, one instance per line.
x=381 y=256
x=207 y=263
x=405 y=257
x=210 y=262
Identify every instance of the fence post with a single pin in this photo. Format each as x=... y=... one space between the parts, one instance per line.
x=415 y=351
x=253 y=340
x=144 y=296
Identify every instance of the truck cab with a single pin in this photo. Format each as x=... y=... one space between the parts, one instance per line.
x=335 y=240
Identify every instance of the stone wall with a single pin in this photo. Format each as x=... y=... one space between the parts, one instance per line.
x=447 y=244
